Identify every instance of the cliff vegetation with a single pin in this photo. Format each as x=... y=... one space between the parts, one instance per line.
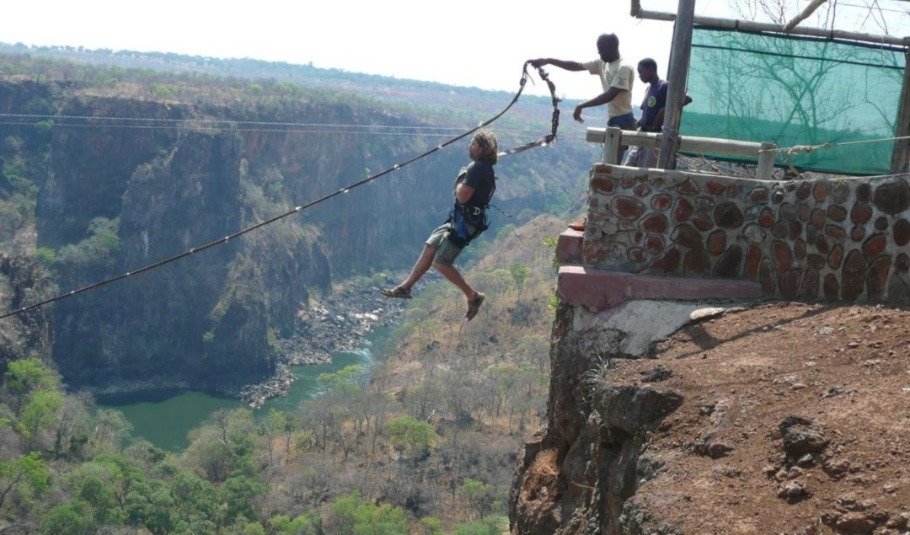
x=424 y=443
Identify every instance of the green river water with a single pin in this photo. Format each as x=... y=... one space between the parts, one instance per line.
x=165 y=418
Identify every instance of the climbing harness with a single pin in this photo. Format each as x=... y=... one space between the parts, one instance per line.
x=543 y=142
x=468 y=221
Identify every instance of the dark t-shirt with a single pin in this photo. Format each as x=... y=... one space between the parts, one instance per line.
x=482 y=178
x=655 y=100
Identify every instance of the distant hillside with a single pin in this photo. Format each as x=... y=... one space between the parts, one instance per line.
x=414 y=92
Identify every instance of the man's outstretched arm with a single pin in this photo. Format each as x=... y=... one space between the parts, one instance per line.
x=562 y=64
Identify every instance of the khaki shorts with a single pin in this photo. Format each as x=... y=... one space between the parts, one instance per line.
x=446 y=251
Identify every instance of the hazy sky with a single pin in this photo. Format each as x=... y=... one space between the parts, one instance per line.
x=480 y=43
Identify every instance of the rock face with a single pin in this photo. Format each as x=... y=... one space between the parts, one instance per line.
x=27 y=334
x=577 y=475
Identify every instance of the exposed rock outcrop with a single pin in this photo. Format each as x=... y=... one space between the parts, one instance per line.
x=579 y=474
x=28 y=334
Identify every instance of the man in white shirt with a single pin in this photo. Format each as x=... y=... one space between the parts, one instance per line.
x=616 y=77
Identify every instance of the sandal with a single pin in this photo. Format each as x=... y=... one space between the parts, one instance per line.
x=398 y=291
x=474 y=306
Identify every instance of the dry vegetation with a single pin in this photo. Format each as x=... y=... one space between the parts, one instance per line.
x=480 y=386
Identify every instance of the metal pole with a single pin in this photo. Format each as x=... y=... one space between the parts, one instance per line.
x=676 y=79
x=750 y=26
x=900 y=156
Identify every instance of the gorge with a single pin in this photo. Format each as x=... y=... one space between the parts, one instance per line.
x=123 y=181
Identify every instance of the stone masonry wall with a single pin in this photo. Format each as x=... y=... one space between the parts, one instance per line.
x=825 y=239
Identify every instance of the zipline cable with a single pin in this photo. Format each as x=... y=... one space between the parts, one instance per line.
x=543 y=142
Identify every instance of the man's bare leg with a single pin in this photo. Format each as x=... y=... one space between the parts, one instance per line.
x=452 y=274
x=424 y=261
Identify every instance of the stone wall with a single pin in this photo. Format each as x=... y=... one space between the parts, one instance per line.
x=824 y=239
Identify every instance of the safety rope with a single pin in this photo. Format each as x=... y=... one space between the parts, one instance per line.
x=811 y=148
x=546 y=140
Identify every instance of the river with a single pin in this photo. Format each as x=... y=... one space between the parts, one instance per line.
x=165 y=418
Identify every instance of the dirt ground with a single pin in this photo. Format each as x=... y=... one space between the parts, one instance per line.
x=796 y=420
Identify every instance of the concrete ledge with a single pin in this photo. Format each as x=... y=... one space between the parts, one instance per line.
x=568 y=247
x=600 y=290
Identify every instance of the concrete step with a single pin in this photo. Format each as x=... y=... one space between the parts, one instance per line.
x=568 y=247
x=600 y=290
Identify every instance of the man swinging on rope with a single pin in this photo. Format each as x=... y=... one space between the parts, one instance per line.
x=474 y=189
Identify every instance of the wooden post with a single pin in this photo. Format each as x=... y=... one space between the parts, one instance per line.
x=612 y=144
x=765 y=161
x=900 y=157
x=679 y=74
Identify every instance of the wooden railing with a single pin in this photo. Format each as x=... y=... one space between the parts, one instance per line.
x=613 y=139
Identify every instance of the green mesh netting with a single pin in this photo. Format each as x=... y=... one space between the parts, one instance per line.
x=796 y=91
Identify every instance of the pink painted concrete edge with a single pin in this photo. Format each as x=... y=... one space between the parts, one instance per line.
x=569 y=246
x=599 y=290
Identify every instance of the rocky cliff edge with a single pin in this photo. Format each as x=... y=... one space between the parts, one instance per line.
x=696 y=418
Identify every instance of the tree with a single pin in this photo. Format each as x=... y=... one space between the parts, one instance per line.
x=413 y=436
x=504 y=377
x=306 y=524
x=116 y=473
x=519 y=273
x=149 y=504
x=327 y=414
x=111 y=428
x=26 y=376
x=354 y=516
x=197 y=501
x=790 y=13
x=430 y=525
x=24 y=474
x=92 y=257
x=72 y=519
x=479 y=495
x=102 y=498
x=223 y=448
x=71 y=434
x=288 y=430
x=238 y=494
x=422 y=400
x=40 y=412
x=274 y=423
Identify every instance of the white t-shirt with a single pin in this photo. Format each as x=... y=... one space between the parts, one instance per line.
x=615 y=74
